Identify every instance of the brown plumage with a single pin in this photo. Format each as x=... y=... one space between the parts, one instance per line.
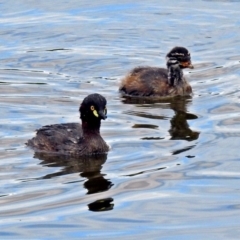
x=160 y=82
x=74 y=138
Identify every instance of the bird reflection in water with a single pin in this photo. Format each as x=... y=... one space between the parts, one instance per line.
x=179 y=127
x=89 y=168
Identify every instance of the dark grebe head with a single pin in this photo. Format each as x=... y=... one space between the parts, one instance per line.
x=93 y=109
x=180 y=56
x=177 y=59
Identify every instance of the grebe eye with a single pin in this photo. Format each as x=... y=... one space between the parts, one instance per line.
x=92 y=108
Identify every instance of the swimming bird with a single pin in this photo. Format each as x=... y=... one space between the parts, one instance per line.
x=155 y=82
x=75 y=138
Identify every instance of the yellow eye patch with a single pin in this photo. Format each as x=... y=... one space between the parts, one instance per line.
x=94 y=111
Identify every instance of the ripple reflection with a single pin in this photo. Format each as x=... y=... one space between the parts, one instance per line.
x=89 y=168
x=179 y=127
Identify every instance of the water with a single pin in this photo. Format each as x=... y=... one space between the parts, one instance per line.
x=172 y=172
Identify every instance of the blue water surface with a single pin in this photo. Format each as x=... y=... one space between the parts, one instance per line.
x=173 y=168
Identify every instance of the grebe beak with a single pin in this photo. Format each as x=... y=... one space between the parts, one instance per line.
x=102 y=114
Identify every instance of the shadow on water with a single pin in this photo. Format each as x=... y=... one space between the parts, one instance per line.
x=89 y=168
x=179 y=127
